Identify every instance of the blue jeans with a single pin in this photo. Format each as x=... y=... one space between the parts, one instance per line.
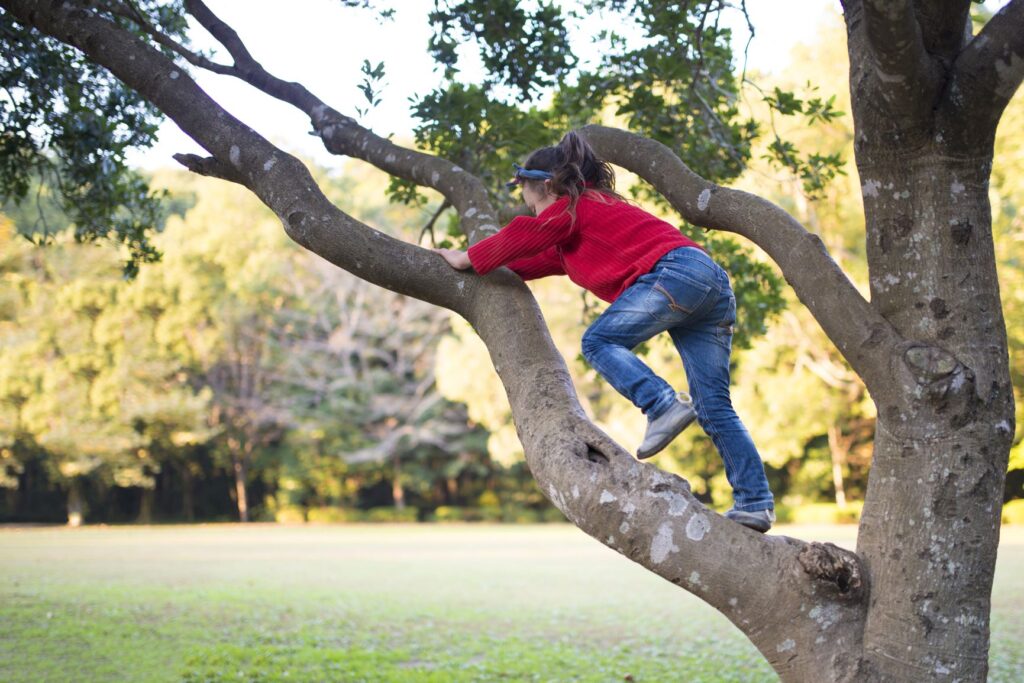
x=689 y=295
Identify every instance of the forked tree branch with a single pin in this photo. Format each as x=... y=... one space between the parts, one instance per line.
x=907 y=79
x=990 y=69
x=127 y=10
x=945 y=26
x=343 y=136
x=862 y=335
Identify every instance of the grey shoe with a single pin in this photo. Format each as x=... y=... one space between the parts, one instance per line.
x=760 y=520
x=666 y=427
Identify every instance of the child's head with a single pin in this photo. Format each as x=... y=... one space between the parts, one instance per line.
x=574 y=168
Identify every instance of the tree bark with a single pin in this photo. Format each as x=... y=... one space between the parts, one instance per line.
x=930 y=526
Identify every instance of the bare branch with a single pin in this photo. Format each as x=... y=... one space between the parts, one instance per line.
x=905 y=75
x=429 y=227
x=990 y=69
x=342 y=135
x=131 y=12
x=857 y=329
x=435 y=436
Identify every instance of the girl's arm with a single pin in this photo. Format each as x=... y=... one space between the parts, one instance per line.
x=525 y=237
x=546 y=263
x=543 y=264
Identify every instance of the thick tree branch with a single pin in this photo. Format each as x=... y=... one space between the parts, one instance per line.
x=860 y=333
x=990 y=69
x=906 y=77
x=342 y=135
x=945 y=27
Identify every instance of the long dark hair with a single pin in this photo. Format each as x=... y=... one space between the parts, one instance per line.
x=575 y=169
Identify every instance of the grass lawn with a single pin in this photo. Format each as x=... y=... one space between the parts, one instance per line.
x=379 y=603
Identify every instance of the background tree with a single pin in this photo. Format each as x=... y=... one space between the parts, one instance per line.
x=84 y=380
x=930 y=345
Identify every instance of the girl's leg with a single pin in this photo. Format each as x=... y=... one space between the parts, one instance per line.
x=608 y=346
x=704 y=346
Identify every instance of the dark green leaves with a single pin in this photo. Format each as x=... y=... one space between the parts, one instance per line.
x=370 y=87
x=815 y=170
x=522 y=50
x=68 y=124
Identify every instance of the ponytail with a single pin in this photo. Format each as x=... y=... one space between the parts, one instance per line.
x=575 y=168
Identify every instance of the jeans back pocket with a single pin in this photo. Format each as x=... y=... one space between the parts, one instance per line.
x=676 y=296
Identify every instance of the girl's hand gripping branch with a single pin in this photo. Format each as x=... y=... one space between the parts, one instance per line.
x=456 y=259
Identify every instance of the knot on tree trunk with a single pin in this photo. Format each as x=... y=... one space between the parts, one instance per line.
x=937 y=372
x=930 y=363
x=838 y=568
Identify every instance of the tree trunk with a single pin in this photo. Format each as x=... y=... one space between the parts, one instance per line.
x=145 y=515
x=930 y=526
x=187 y=495
x=397 y=492
x=838 y=450
x=242 y=499
x=76 y=503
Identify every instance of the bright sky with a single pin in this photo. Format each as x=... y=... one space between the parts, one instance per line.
x=322 y=45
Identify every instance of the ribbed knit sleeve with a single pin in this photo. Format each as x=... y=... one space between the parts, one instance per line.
x=522 y=238
x=546 y=263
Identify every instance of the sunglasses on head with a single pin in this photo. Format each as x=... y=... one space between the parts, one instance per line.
x=527 y=174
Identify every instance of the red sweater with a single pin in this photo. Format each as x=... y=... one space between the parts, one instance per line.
x=609 y=245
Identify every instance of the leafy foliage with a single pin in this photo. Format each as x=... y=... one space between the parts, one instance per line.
x=814 y=169
x=70 y=122
x=521 y=50
x=370 y=86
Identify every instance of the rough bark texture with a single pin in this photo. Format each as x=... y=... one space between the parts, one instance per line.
x=931 y=521
x=912 y=603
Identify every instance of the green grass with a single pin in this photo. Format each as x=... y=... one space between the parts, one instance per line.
x=378 y=603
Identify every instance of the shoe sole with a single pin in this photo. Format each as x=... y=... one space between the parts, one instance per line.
x=756 y=525
x=668 y=438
